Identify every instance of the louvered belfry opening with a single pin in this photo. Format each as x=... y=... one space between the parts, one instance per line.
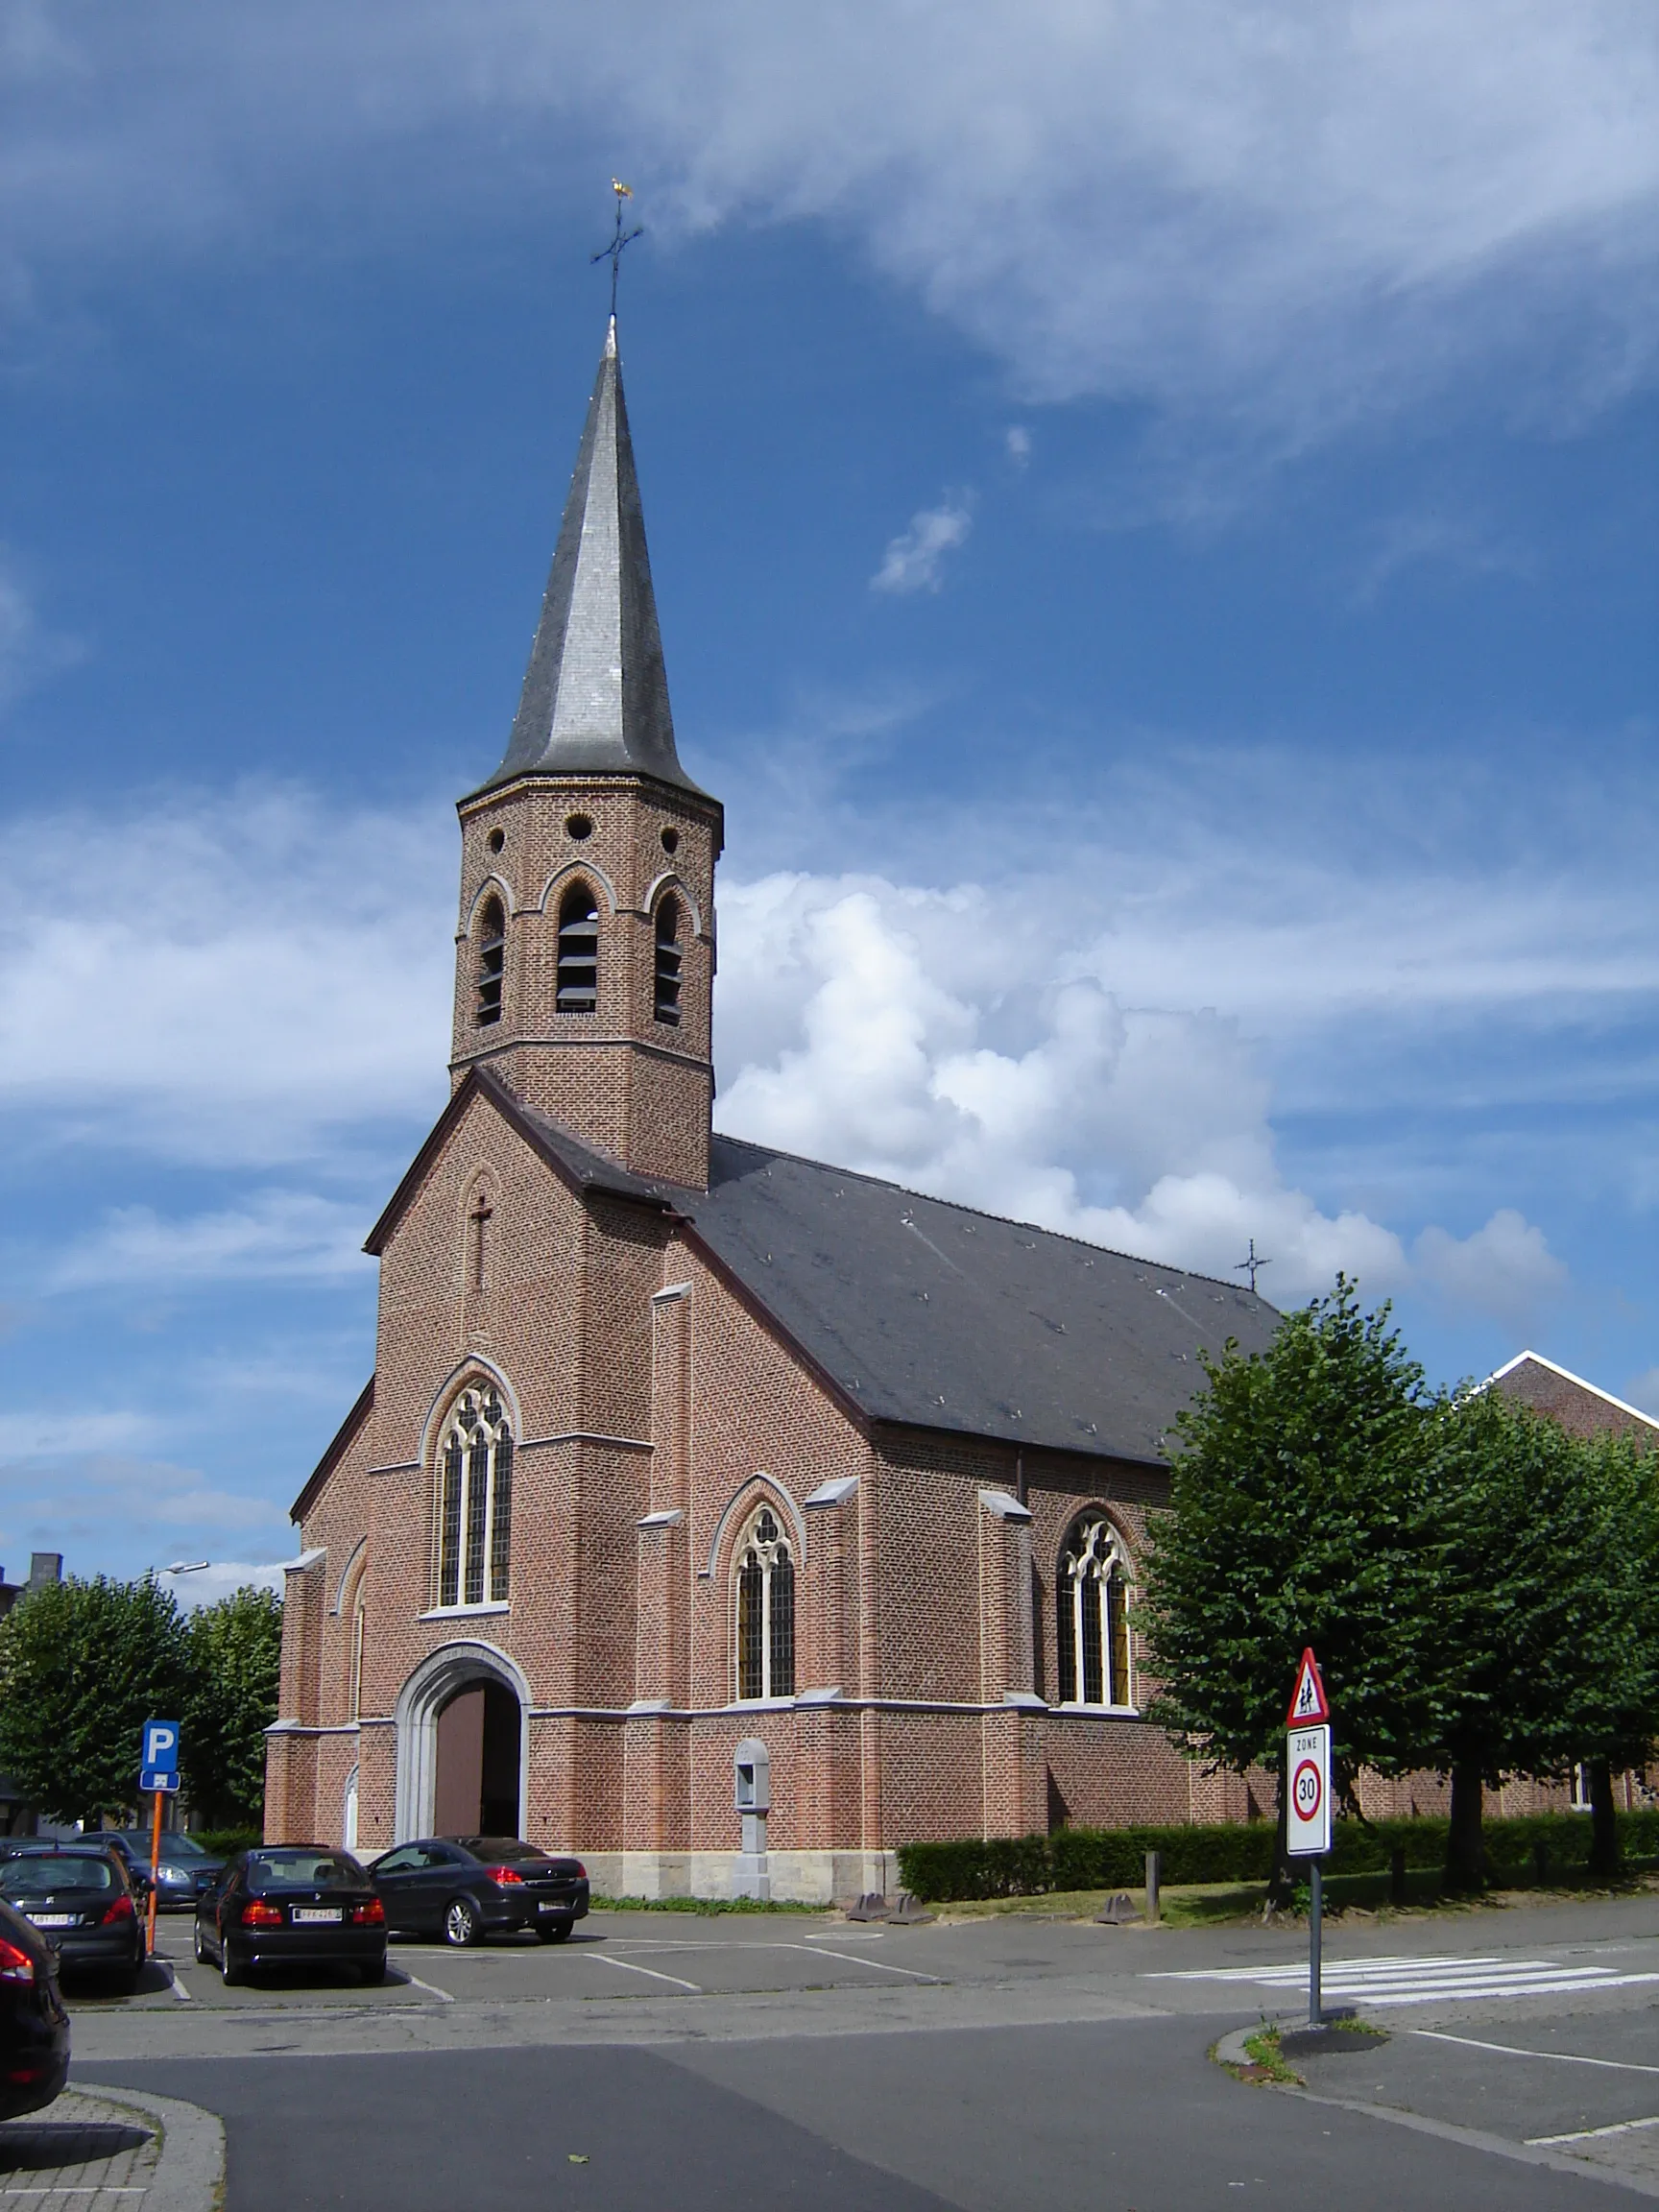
x=668 y=988
x=491 y=962
x=578 y=989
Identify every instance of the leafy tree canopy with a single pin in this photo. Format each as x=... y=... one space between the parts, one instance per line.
x=234 y=1654
x=83 y=1666
x=1299 y=1515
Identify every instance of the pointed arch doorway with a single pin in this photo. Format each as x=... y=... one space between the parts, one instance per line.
x=475 y=1781
x=462 y=1721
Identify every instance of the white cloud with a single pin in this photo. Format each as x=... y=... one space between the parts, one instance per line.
x=914 y=560
x=1016 y=443
x=34 y=1433
x=1315 y=209
x=1505 y=1269
x=254 y=973
x=28 y=650
x=277 y=1234
x=1095 y=1025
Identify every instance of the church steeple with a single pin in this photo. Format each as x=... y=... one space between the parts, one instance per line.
x=585 y=955
x=595 y=696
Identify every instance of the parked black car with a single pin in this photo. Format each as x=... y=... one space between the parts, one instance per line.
x=292 y=1905
x=34 y=2026
x=184 y=1864
x=80 y=1898
x=464 y=1887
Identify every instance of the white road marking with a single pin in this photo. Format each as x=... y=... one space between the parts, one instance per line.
x=1590 y=2134
x=1561 y=2057
x=176 y=1984
x=849 y=1936
x=1377 y=1981
x=431 y=1988
x=851 y=1957
x=627 y=1965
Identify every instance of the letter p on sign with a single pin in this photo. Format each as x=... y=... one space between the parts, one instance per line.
x=161 y=1747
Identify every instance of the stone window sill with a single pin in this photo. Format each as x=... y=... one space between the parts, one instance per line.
x=466 y=1612
x=1102 y=1712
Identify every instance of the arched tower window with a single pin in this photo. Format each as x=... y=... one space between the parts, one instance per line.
x=474 y=1503
x=1091 y=1617
x=492 y=963
x=765 y=1610
x=668 y=988
x=578 y=991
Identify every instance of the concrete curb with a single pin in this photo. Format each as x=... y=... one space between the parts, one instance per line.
x=190 y=2174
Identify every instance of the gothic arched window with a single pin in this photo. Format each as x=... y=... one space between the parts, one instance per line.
x=491 y=962
x=578 y=989
x=667 y=974
x=765 y=1610
x=1091 y=1617
x=474 y=1501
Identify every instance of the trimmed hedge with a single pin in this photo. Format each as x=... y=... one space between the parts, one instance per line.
x=1116 y=1858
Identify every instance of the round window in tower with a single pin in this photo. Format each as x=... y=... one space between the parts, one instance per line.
x=670 y=840
x=578 y=826
x=497 y=839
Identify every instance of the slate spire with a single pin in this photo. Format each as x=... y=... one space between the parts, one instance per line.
x=595 y=696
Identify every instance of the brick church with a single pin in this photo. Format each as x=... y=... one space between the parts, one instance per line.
x=674 y=1443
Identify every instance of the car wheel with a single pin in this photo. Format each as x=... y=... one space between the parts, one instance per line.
x=461 y=1923
x=555 y=1931
x=202 y=1956
x=373 y=1975
x=231 y=1968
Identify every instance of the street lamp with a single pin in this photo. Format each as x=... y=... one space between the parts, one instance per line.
x=186 y=1566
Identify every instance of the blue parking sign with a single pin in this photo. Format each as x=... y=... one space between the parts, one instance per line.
x=160 y=1754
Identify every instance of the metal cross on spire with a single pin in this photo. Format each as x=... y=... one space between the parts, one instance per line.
x=1251 y=1264
x=614 y=252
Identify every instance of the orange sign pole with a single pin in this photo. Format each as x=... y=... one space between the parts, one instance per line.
x=154 y=1870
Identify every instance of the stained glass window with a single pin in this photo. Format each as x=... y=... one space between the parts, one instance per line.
x=475 y=1504
x=1091 y=1617
x=765 y=1610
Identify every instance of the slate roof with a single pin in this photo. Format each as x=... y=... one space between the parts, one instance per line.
x=933 y=1315
x=595 y=693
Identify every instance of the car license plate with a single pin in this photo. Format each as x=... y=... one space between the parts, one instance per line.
x=314 y=1915
x=55 y=1919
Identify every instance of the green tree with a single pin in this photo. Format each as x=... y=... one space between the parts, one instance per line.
x=234 y=1650
x=1299 y=1516
x=83 y=1666
x=1541 y=1640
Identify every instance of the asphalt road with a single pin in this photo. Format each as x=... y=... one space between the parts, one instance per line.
x=988 y=2067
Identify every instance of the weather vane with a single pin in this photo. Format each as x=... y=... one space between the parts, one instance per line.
x=614 y=252
x=1251 y=1264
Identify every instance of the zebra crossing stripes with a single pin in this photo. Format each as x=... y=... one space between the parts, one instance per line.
x=1431 y=1981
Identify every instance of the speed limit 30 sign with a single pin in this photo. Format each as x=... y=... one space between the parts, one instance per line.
x=1307 y=1821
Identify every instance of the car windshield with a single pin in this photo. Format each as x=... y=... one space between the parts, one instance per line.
x=41 y=1877
x=303 y=1870
x=173 y=1845
x=499 y=1849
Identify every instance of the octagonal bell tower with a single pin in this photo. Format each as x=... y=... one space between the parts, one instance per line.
x=585 y=952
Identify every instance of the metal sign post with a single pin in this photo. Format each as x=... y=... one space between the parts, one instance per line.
x=1308 y=1812
x=158 y=1773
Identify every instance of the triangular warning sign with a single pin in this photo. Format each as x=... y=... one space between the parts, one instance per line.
x=1307 y=1698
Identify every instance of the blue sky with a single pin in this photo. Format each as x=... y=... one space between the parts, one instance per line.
x=1153 y=517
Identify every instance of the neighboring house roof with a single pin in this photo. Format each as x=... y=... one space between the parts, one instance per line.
x=1531 y=1379
x=920 y=1312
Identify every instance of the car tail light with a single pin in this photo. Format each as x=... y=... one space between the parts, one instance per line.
x=581 y=1871
x=14 y=1965
x=503 y=1874
x=257 y=1913
x=26 y=2077
x=373 y=1914
x=121 y=1910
